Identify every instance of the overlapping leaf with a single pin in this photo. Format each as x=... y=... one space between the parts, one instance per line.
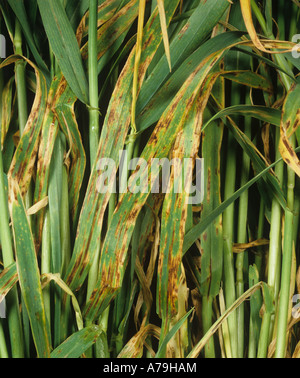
x=22 y=165
x=174 y=212
x=112 y=140
x=119 y=234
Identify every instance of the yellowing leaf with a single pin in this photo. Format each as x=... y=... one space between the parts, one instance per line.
x=247 y=15
x=162 y=15
x=289 y=124
x=138 y=52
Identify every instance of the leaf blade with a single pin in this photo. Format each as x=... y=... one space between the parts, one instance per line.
x=28 y=272
x=64 y=45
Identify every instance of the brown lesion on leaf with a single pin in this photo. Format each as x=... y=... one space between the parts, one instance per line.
x=208 y=187
x=6 y=287
x=183 y=30
x=173 y=280
x=70 y=278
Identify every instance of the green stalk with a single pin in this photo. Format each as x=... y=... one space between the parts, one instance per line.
x=253 y=340
x=288 y=245
x=101 y=347
x=273 y=262
x=281 y=20
x=293 y=22
x=3 y=347
x=20 y=80
x=94 y=118
x=288 y=240
x=269 y=19
x=279 y=58
x=93 y=81
x=285 y=288
x=228 y=221
x=264 y=336
x=260 y=234
x=275 y=236
x=20 y=76
x=242 y=238
x=275 y=231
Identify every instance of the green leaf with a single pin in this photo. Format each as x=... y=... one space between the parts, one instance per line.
x=263 y=113
x=75 y=11
x=200 y=227
x=29 y=275
x=212 y=238
x=77 y=343
x=171 y=333
x=268 y=298
x=255 y=301
x=150 y=110
x=64 y=45
x=191 y=36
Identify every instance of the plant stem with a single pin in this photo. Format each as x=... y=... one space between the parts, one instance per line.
x=242 y=238
x=279 y=58
x=94 y=121
x=93 y=81
x=288 y=240
x=273 y=261
x=275 y=231
x=20 y=80
x=228 y=218
x=260 y=233
x=264 y=336
x=3 y=347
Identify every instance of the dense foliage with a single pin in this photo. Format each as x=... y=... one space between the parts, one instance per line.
x=132 y=272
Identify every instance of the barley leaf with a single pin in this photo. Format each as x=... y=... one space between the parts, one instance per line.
x=64 y=45
x=112 y=265
x=28 y=272
x=75 y=345
x=112 y=140
x=8 y=278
